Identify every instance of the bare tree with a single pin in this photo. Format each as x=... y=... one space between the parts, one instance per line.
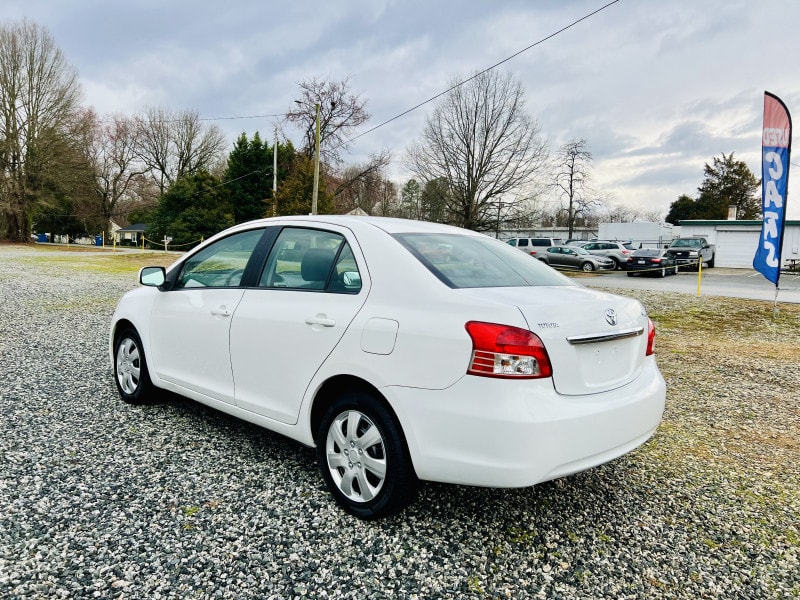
x=39 y=92
x=481 y=141
x=118 y=168
x=340 y=113
x=572 y=180
x=173 y=144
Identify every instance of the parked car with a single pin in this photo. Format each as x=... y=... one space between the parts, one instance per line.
x=652 y=261
x=692 y=252
x=534 y=246
x=401 y=350
x=616 y=251
x=576 y=242
x=575 y=257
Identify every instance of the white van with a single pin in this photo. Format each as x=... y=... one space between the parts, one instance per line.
x=533 y=245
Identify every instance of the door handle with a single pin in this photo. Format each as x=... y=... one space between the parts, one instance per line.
x=324 y=322
x=221 y=312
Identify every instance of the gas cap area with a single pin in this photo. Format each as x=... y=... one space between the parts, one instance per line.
x=379 y=336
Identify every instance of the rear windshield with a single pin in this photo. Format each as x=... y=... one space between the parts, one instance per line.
x=466 y=261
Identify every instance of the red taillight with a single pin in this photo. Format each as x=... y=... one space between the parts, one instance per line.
x=505 y=351
x=655 y=260
x=532 y=253
x=651 y=338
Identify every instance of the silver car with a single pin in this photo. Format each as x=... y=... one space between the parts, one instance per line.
x=619 y=252
x=575 y=257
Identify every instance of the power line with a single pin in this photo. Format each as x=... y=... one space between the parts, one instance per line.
x=432 y=98
x=486 y=70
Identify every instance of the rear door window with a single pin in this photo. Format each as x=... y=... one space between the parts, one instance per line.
x=311 y=259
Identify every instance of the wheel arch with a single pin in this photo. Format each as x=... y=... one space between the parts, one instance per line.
x=340 y=384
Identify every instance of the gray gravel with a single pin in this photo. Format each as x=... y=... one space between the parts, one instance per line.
x=103 y=500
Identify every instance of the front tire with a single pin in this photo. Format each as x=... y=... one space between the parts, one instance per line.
x=130 y=368
x=587 y=267
x=363 y=457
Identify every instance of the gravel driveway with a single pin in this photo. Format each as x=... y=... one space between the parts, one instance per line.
x=103 y=500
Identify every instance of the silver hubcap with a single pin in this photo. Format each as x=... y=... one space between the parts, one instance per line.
x=128 y=366
x=356 y=456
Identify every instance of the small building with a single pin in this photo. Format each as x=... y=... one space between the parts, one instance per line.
x=736 y=241
x=130 y=235
x=640 y=234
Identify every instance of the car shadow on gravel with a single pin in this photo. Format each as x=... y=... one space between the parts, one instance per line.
x=594 y=492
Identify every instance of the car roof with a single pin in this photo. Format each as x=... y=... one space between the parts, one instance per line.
x=390 y=225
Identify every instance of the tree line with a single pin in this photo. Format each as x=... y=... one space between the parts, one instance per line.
x=480 y=162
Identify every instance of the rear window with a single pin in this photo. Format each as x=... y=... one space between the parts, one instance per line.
x=465 y=261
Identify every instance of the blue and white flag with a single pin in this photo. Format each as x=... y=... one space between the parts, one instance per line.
x=776 y=146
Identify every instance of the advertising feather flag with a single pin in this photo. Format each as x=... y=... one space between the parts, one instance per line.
x=776 y=146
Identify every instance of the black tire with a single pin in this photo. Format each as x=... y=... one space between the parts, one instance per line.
x=367 y=491
x=587 y=267
x=130 y=368
x=617 y=266
x=711 y=261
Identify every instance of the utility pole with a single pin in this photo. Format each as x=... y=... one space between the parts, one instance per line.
x=316 y=166
x=275 y=175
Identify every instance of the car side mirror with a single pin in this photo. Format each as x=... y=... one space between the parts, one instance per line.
x=152 y=276
x=351 y=279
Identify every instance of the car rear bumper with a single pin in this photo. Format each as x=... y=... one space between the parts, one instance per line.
x=502 y=433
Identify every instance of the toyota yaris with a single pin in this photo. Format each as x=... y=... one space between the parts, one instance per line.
x=401 y=350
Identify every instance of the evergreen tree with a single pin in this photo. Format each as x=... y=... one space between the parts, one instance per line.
x=194 y=207
x=249 y=176
x=728 y=182
x=294 y=194
x=681 y=209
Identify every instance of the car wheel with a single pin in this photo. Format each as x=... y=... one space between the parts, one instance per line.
x=587 y=266
x=364 y=458
x=616 y=263
x=130 y=368
x=711 y=262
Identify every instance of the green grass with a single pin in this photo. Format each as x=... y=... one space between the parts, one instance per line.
x=99 y=260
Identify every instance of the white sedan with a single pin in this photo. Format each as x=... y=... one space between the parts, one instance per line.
x=401 y=350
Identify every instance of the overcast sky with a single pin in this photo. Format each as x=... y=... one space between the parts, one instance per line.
x=657 y=87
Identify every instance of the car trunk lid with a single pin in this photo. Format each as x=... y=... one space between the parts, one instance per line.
x=596 y=341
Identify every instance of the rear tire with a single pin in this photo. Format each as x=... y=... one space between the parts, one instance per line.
x=364 y=458
x=711 y=262
x=130 y=368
